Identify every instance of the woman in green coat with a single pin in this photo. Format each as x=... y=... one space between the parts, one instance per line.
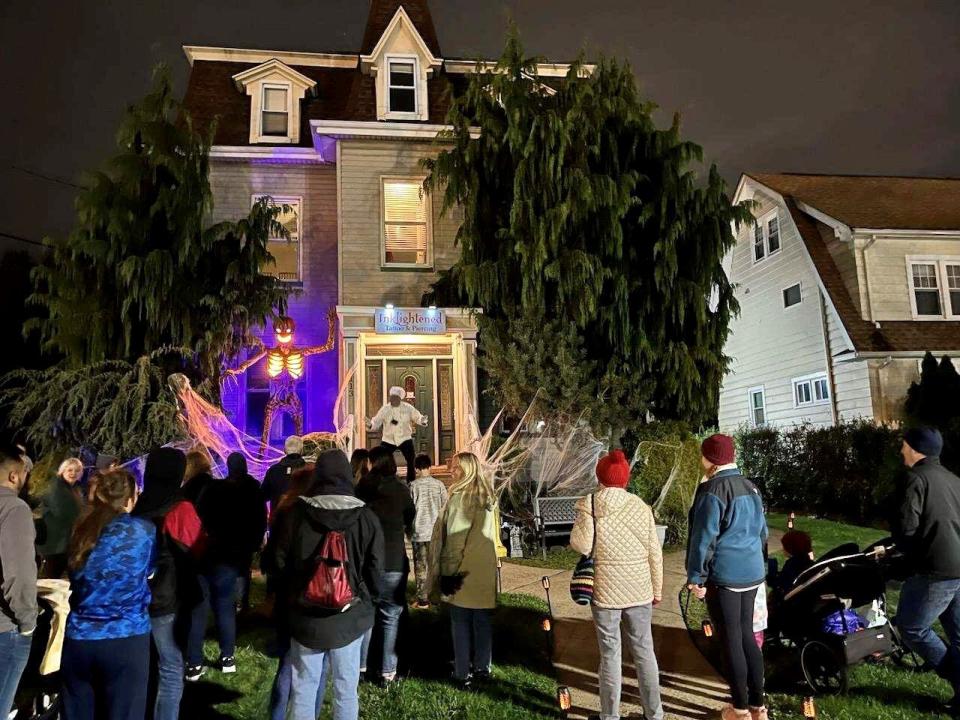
x=61 y=508
x=468 y=547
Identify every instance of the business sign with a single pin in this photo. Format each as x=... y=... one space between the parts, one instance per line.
x=419 y=321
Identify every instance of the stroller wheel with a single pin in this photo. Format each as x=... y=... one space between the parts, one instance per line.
x=825 y=672
x=903 y=656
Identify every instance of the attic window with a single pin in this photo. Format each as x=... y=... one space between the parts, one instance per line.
x=766 y=236
x=275 y=117
x=402 y=88
x=934 y=287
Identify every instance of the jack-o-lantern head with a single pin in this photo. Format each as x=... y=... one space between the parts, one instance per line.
x=283 y=328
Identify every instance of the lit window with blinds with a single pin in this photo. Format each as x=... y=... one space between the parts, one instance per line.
x=406 y=223
x=286 y=253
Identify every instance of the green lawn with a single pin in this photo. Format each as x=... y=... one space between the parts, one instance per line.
x=877 y=691
x=558 y=558
x=524 y=688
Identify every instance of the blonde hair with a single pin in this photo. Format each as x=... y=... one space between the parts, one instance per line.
x=198 y=462
x=69 y=462
x=475 y=482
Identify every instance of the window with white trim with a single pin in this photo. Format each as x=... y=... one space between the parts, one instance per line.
x=934 y=287
x=275 y=111
x=792 y=296
x=766 y=236
x=286 y=253
x=407 y=240
x=811 y=390
x=757 y=404
x=402 y=85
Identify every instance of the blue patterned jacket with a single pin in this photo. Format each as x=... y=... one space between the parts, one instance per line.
x=110 y=597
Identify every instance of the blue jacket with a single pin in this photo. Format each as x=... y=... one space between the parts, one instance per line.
x=109 y=596
x=727 y=533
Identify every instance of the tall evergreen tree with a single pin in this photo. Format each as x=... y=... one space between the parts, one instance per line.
x=578 y=209
x=143 y=285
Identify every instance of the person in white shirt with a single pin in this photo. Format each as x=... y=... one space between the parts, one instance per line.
x=398 y=420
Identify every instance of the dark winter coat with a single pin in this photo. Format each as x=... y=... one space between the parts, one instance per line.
x=391 y=502
x=277 y=480
x=299 y=534
x=180 y=536
x=928 y=526
x=61 y=508
x=234 y=515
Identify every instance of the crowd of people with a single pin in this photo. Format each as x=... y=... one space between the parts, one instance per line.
x=148 y=565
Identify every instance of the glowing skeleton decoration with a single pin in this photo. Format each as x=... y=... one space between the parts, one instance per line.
x=285 y=366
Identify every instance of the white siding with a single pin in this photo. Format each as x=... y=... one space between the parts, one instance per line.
x=886 y=269
x=770 y=345
x=851 y=378
x=362 y=164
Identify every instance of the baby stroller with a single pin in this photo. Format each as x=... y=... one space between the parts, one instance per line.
x=38 y=695
x=811 y=624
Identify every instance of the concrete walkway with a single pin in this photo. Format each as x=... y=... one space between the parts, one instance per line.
x=690 y=687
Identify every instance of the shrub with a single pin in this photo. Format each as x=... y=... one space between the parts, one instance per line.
x=658 y=446
x=847 y=471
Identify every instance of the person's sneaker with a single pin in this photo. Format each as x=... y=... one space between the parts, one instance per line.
x=422 y=605
x=482 y=676
x=228 y=664
x=466 y=684
x=758 y=713
x=194 y=673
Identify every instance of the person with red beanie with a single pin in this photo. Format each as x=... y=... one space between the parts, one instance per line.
x=728 y=532
x=617 y=528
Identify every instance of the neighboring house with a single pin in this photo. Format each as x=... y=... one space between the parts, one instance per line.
x=844 y=282
x=339 y=138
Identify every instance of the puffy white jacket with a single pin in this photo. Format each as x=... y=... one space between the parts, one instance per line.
x=628 y=559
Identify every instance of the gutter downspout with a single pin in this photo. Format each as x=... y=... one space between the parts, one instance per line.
x=866 y=275
x=829 y=358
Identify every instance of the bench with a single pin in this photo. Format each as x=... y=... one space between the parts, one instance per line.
x=554 y=517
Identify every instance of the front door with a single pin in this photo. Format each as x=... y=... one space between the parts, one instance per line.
x=416 y=379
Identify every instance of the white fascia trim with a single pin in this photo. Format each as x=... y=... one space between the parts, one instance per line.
x=898 y=355
x=242 y=79
x=214 y=54
x=841 y=230
x=280 y=154
x=400 y=17
x=365 y=129
x=908 y=234
x=367 y=309
x=465 y=67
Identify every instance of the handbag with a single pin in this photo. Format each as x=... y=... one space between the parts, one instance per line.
x=581 y=582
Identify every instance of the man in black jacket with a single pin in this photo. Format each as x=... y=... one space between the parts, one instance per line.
x=928 y=530
x=319 y=634
x=277 y=480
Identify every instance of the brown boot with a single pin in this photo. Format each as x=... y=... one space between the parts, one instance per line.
x=729 y=712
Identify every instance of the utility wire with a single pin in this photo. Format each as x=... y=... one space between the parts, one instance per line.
x=48 y=178
x=20 y=238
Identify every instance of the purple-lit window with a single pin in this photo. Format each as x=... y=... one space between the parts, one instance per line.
x=403 y=86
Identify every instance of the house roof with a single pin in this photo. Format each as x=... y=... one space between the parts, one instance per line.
x=339 y=94
x=885 y=336
x=876 y=202
x=381 y=14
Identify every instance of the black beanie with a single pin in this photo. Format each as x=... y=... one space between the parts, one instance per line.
x=925 y=440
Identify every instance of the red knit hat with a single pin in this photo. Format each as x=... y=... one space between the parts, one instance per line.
x=613 y=470
x=719 y=449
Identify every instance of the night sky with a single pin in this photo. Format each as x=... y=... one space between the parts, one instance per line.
x=856 y=86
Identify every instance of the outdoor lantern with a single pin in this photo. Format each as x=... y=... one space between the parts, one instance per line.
x=563 y=698
x=707 y=628
x=545 y=581
x=793 y=516
x=545 y=624
x=809 y=708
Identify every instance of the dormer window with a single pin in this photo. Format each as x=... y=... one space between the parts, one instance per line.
x=275 y=113
x=403 y=85
x=276 y=91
